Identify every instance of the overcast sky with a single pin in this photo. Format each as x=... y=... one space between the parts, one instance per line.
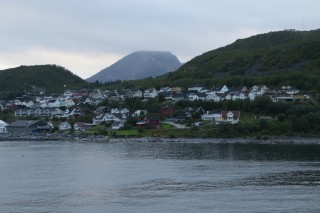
x=87 y=36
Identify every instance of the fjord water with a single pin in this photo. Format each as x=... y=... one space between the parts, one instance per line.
x=158 y=177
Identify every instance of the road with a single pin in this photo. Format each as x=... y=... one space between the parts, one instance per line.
x=178 y=126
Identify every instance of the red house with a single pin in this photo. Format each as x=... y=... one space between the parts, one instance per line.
x=166 y=111
x=149 y=122
x=152 y=122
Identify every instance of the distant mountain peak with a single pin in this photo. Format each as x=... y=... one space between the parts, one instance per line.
x=138 y=65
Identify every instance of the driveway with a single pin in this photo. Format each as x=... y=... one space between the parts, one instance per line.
x=178 y=126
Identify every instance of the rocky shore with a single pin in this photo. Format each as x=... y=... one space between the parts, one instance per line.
x=52 y=137
x=108 y=139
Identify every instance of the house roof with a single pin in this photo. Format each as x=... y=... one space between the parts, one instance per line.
x=64 y=123
x=165 y=107
x=26 y=123
x=193 y=109
x=236 y=114
x=2 y=123
x=46 y=127
x=80 y=124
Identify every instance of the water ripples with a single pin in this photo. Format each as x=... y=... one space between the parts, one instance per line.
x=296 y=178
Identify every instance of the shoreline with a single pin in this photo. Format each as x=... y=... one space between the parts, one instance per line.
x=283 y=140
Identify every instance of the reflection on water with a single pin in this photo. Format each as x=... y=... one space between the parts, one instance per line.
x=158 y=177
x=199 y=151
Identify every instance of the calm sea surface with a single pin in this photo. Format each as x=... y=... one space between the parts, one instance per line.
x=158 y=177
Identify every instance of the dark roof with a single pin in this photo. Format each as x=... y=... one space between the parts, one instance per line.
x=27 y=123
x=47 y=127
x=83 y=99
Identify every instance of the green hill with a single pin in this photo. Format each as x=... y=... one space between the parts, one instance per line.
x=259 y=55
x=275 y=58
x=48 y=78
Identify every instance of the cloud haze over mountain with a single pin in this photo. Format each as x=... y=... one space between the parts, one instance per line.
x=87 y=36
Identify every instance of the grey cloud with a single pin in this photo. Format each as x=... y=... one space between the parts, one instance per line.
x=184 y=27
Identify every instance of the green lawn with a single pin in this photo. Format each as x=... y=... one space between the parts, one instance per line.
x=131 y=132
x=166 y=126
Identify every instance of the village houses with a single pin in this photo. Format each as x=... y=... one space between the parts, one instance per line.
x=69 y=104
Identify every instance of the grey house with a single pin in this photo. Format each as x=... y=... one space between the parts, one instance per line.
x=26 y=126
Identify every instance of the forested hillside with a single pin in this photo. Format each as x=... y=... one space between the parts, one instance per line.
x=48 y=78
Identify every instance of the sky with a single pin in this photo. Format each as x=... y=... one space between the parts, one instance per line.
x=88 y=36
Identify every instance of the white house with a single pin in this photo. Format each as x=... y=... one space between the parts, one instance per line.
x=3 y=127
x=17 y=102
x=289 y=90
x=79 y=126
x=66 y=113
x=195 y=89
x=64 y=126
x=175 y=89
x=165 y=89
x=124 y=111
x=76 y=112
x=69 y=103
x=109 y=118
x=53 y=103
x=150 y=93
x=139 y=112
x=56 y=112
x=117 y=125
x=212 y=96
x=115 y=110
x=239 y=96
x=252 y=95
x=43 y=105
x=209 y=116
x=98 y=119
x=192 y=97
x=67 y=93
x=97 y=93
x=223 y=89
x=137 y=94
x=29 y=104
x=232 y=117
x=227 y=97
x=259 y=90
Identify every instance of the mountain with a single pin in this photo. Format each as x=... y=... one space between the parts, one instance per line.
x=50 y=78
x=138 y=65
x=274 y=58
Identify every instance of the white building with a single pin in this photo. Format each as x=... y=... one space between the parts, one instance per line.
x=3 y=127
x=150 y=93
x=210 y=116
x=195 y=89
x=224 y=89
x=64 y=126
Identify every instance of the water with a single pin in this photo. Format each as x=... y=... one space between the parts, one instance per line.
x=158 y=177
